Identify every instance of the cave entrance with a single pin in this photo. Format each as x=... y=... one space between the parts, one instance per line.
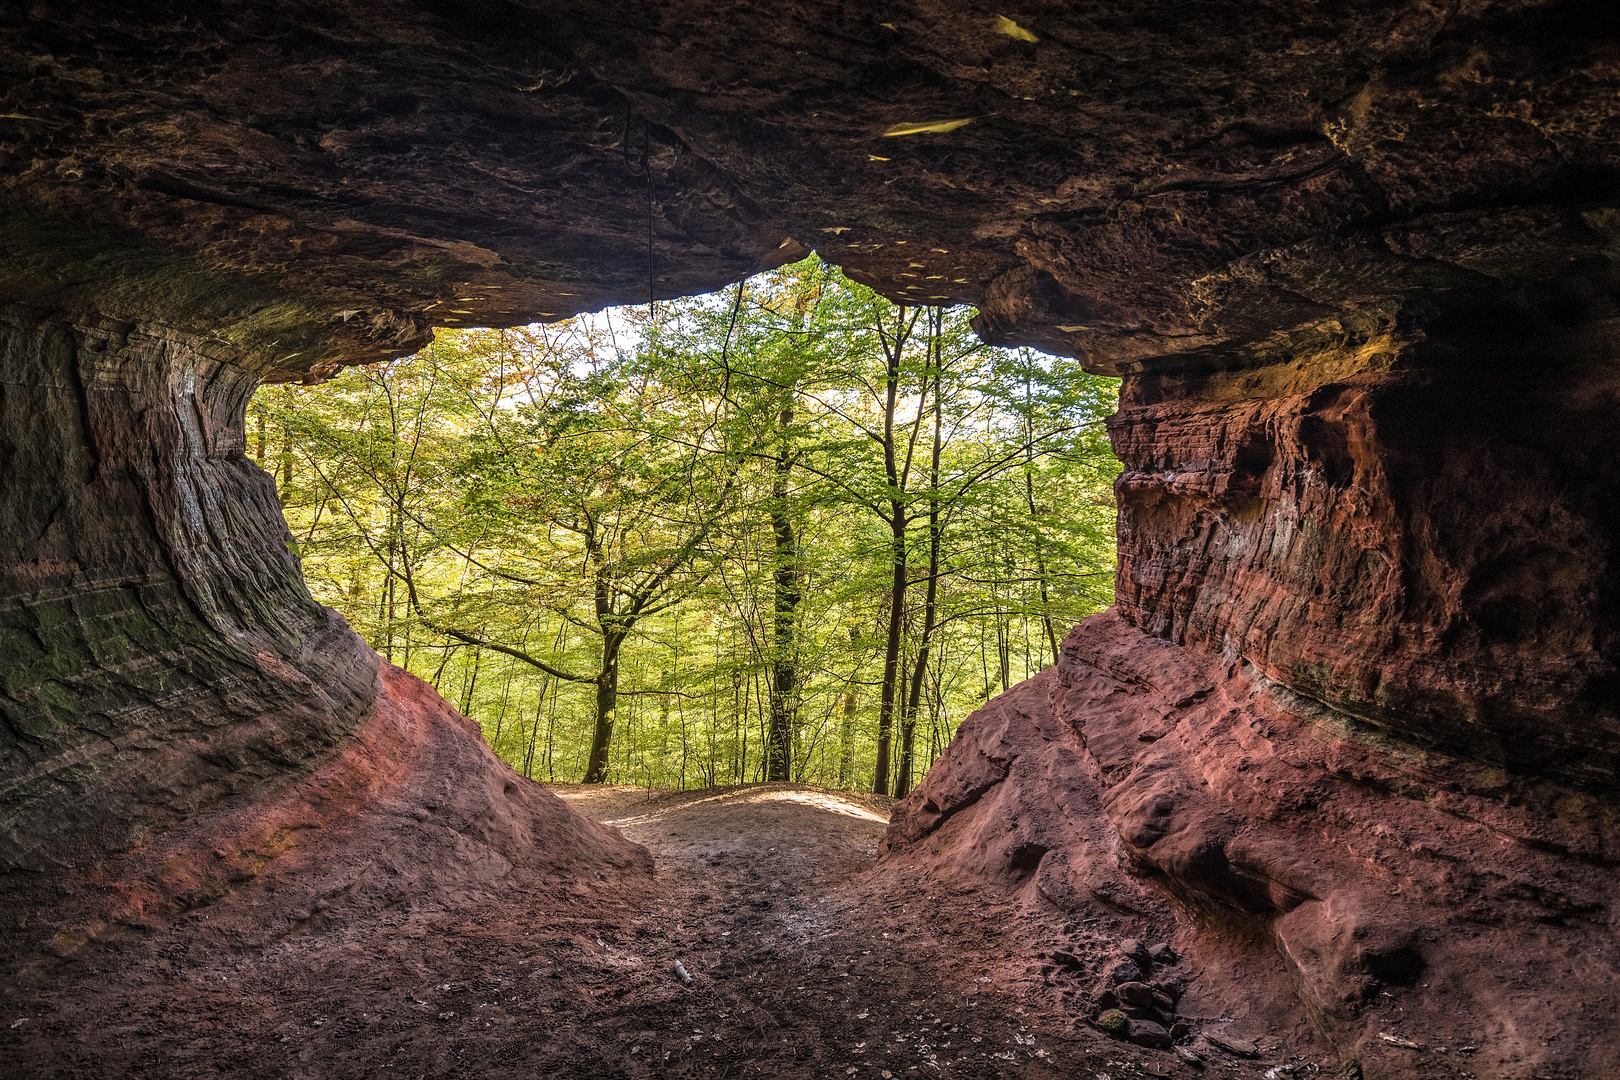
x=784 y=531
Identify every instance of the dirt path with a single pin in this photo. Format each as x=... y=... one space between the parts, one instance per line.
x=804 y=961
x=800 y=968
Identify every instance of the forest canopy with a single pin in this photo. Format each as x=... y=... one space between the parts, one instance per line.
x=785 y=531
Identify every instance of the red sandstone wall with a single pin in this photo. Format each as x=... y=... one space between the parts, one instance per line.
x=1420 y=534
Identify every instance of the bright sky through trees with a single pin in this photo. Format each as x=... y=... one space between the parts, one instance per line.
x=786 y=530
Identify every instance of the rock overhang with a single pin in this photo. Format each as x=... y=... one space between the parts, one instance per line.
x=1136 y=182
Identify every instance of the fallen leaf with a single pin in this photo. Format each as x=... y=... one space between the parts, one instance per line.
x=1006 y=26
x=1396 y=1040
x=931 y=126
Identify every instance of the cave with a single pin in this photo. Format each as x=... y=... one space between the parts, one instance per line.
x=1353 y=722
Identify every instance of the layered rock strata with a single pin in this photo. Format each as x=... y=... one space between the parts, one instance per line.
x=161 y=650
x=181 y=718
x=1416 y=533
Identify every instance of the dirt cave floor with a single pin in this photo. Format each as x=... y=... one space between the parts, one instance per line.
x=804 y=962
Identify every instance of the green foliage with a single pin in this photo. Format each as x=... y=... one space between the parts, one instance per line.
x=674 y=534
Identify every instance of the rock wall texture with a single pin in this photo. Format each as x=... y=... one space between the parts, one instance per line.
x=317 y=183
x=180 y=717
x=160 y=650
x=1418 y=533
x=1348 y=899
x=1353 y=718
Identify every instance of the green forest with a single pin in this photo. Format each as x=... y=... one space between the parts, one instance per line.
x=786 y=531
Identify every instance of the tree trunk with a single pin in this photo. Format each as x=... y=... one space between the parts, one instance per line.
x=1004 y=648
x=908 y=726
x=472 y=684
x=846 y=743
x=891 y=647
x=1034 y=529
x=607 y=699
x=784 y=664
x=897 y=585
x=534 y=732
x=285 y=491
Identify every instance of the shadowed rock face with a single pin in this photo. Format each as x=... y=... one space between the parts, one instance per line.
x=317 y=183
x=1416 y=533
x=1356 y=263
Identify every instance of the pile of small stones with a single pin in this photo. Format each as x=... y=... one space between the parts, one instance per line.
x=1133 y=1003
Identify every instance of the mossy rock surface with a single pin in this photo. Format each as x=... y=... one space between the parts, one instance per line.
x=1113 y=1021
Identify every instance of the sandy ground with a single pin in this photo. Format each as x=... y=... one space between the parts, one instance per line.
x=803 y=963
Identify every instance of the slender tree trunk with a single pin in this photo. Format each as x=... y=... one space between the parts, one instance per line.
x=784 y=665
x=1040 y=578
x=908 y=727
x=846 y=743
x=901 y=683
x=444 y=659
x=534 y=732
x=897 y=581
x=1004 y=648
x=500 y=717
x=894 y=352
x=387 y=615
x=1034 y=529
x=551 y=728
x=286 y=468
x=472 y=684
x=891 y=646
x=764 y=725
x=740 y=722
x=607 y=699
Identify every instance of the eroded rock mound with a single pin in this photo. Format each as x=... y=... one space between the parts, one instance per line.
x=1402 y=913
x=414 y=810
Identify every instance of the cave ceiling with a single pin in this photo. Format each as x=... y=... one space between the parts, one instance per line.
x=307 y=185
